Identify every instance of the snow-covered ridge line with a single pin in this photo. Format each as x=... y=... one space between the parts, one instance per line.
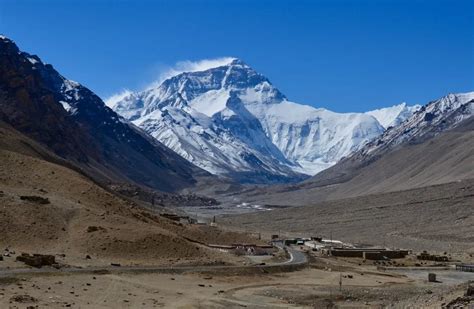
x=229 y=119
x=201 y=65
x=394 y=115
x=429 y=120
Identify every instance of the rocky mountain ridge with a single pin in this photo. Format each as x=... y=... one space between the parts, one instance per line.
x=76 y=125
x=230 y=120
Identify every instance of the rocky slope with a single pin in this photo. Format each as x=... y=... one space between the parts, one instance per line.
x=49 y=208
x=76 y=125
x=230 y=120
x=434 y=146
x=452 y=114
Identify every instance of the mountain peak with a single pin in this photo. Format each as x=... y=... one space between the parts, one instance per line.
x=187 y=68
x=8 y=45
x=237 y=61
x=4 y=38
x=229 y=119
x=193 y=79
x=393 y=115
x=203 y=65
x=209 y=64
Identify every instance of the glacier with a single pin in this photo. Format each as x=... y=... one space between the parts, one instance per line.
x=394 y=115
x=231 y=121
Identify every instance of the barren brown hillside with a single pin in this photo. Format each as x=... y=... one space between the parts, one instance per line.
x=48 y=208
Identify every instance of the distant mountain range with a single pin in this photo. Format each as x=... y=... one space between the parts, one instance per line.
x=434 y=146
x=231 y=121
x=226 y=120
x=450 y=115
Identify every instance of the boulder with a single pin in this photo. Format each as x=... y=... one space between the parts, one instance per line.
x=35 y=199
x=37 y=260
x=470 y=291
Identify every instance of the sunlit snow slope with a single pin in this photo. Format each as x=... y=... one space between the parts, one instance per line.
x=230 y=120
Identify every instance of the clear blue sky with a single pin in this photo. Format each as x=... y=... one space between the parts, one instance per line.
x=342 y=55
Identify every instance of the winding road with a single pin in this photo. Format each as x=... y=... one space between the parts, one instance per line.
x=297 y=258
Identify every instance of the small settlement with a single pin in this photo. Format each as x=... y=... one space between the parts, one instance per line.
x=378 y=255
x=337 y=248
x=327 y=247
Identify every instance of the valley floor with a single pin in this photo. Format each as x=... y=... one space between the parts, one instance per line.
x=316 y=286
x=47 y=208
x=435 y=218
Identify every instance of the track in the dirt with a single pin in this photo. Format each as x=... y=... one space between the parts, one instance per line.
x=297 y=258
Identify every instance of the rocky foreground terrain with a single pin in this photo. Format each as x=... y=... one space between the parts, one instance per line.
x=50 y=209
x=316 y=286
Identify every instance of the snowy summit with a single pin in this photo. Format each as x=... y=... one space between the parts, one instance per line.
x=230 y=120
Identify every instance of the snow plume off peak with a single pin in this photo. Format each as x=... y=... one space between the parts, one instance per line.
x=223 y=116
x=178 y=68
x=194 y=66
x=115 y=98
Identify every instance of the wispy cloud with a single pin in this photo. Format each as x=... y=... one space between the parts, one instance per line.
x=190 y=66
x=115 y=98
x=167 y=72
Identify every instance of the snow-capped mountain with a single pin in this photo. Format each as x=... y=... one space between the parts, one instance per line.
x=313 y=138
x=394 y=115
x=428 y=121
x=230 y=120
x=414 y=153
x=201 y=116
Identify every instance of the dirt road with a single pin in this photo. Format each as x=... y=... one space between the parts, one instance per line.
x=296 y=259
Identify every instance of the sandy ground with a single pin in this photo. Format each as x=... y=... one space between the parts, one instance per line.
x=316 y=286
x=81 y=219
x=436 y=218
